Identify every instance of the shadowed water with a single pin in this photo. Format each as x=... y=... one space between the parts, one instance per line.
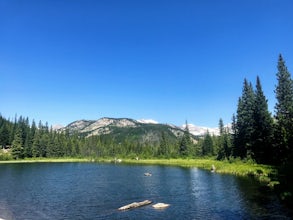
x=96 y=191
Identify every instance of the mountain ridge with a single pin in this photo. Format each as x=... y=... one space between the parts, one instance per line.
x=103 y=125
x=121 y=130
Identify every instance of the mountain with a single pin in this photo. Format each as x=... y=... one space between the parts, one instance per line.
x=200 y=130
x=122 y=129
x=141 y=131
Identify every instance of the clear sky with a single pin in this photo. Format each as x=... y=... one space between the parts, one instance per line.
x=167 y=60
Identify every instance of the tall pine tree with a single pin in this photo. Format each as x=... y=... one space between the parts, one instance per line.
x=244 y=125
x=224 y=141
x=164 y=146
x=263 y=127
x=284 y=113
x=17 y=145
x=207 y=145
x=185 y=143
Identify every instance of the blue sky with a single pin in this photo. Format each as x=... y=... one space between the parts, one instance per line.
x=171 y=61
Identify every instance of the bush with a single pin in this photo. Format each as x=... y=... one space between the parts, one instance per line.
x=5 y=156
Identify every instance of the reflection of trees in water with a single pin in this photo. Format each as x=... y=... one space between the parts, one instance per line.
x=228 y=196
x=259 y=201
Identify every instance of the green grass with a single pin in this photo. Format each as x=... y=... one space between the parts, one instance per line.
x=47 y=160
x=263 y=173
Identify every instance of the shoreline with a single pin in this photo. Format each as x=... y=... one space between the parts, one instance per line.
x=46 y=160
x=262 y=173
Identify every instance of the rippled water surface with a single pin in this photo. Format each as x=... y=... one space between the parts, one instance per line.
x=96 y=191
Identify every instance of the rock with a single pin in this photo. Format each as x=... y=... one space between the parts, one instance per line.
x=213 y=169
x=160 y=205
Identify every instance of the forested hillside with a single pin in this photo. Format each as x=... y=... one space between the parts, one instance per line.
x=23 y=139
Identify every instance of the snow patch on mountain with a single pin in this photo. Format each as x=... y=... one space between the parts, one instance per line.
x=201 y=130
x=57 y=127
x=147 y=121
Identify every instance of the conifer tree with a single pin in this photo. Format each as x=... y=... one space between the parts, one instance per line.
x=17 y=145
x=164 y=146
x=36 y=144
x=263 y=127
x=4 y=135
x=185 y=141
x=244 y=127
x=221 y=126
x=283 y=113
x=207 y=145
x=224 y=141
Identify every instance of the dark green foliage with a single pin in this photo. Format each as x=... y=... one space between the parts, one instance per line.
x=164 y=146
x=263 y=128
x=185 y=143
x=224 y=142
x=17 y=145
x=253 y=125
x=36 y=152
x=244 y=127
x=207 y=145
x=255 y=134
x=29 y=140
x=284 y=113
x=221 y=126
x=4 y=133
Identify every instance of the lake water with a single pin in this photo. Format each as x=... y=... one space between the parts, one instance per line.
x=95 y=191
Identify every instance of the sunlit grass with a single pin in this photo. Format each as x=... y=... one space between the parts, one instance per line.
x=260 y=172
x=47 y=160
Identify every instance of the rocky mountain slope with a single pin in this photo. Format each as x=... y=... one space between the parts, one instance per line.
x=141 y=131
x=121 y=129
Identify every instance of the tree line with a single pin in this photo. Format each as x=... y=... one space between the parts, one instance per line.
x=255 y=133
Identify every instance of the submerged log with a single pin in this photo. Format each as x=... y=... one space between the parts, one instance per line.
x=135 y=205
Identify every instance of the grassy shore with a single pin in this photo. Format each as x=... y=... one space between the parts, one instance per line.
x=47 y=160
x=263 y=173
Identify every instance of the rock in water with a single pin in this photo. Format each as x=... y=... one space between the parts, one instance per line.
x=161 y=205
x=213 y=169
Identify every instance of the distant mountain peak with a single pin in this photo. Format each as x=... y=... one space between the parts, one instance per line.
x=201 y=130
x=147 y=121
x=57 y=127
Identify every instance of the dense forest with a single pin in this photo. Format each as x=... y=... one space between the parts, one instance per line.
x=255 y=134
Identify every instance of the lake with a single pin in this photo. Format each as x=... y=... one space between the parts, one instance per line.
x=96 y=191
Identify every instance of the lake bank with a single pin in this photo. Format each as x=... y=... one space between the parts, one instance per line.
x=46 y=160
x=263 y=173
